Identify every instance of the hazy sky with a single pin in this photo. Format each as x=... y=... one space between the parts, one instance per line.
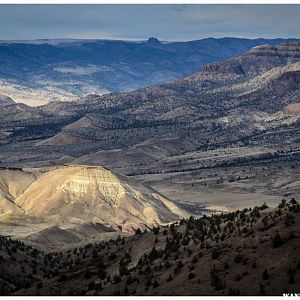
x=167 y=22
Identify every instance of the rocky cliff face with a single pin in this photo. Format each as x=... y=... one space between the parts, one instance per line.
x=286 y=49
x=259 y=59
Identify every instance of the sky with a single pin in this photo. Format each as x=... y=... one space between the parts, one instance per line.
x=139 y=22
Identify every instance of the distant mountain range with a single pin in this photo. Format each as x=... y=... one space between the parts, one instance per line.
x=36 y=72
x=224 y=103
x=265 y=79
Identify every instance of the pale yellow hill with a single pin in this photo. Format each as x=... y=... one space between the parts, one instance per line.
x=12 y=184
x=78 y=194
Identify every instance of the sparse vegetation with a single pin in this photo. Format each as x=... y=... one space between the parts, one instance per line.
x=171 y=258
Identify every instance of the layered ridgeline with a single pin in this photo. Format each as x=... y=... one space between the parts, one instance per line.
x=232 y=87
x=36 y=72
x=235 y=85
x=228 y=101
x=80 y=194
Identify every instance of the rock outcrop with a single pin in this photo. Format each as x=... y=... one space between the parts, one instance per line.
x=286 y=49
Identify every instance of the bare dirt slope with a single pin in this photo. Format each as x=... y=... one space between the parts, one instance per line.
x=80 y=194
x=12 y=184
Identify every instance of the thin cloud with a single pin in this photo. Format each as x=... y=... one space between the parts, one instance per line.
x=167 y=22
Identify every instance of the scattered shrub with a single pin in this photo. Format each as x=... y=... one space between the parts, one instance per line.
x=238 y=258
x=265 y=275
x=277 y=241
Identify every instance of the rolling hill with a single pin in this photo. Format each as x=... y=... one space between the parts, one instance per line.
x=79 y=196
